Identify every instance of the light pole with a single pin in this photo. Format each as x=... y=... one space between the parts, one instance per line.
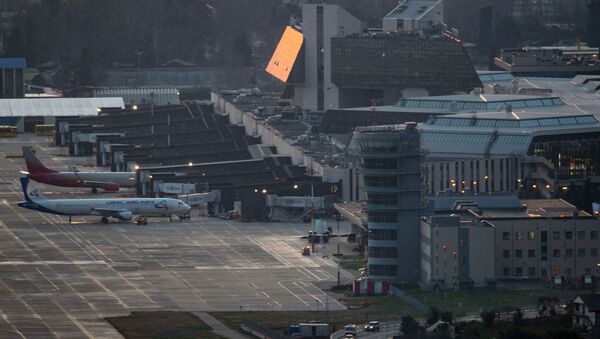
x=338 y=217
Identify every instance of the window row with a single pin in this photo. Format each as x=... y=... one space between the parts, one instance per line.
x=382 y=199
x=383 y=252
x=568 y=235
x=383 y=234
x=389 y=217
x=556 y=235
x=384 y=164
x=519 y=253
x=519 y=271
x=519 y=235
x=373 y=181
x=383 y=270
x=581 y=252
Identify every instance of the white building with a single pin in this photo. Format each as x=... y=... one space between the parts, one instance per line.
x=415 y=16
x=321 y=22
x=586 y=311
x=26 y=113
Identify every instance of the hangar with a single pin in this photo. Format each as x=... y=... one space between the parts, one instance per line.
x=26 y=113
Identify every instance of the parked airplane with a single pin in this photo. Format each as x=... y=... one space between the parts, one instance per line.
x=118 y=208
x=109 y=181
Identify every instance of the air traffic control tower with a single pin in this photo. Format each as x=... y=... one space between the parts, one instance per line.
x=391 y=167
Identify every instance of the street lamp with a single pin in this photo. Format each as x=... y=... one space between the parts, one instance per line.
x=337 y=218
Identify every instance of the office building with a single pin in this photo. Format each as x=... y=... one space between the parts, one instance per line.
x=332 y=61
x=531 y=239
x=391 y=166
x=456 y=252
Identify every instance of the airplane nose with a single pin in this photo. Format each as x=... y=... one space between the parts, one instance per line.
x=187 y=208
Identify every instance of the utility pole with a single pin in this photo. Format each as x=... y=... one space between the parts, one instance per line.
x=139 y=55
x=152 y=112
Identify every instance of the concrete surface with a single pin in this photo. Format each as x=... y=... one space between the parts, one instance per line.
x=60 y=280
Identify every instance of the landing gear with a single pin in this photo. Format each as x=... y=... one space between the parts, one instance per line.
x=185 y=217
x=69 y=219
x=104 y=220
x=141 y=220
x=94 y=190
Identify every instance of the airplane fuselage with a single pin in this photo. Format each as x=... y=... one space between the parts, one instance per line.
x=85 y=179
x=129 y=206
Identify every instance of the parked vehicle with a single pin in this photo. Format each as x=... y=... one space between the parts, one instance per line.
x=314 y=237
x=306 y=250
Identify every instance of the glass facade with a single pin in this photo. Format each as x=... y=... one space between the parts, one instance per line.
x=496 y=77
x=479 y=105
x=574 y=156
x=522 y=123
x=402 y=61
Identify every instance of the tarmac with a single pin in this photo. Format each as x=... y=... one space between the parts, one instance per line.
x=60 y=280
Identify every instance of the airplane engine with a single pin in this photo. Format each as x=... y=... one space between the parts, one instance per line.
x=110 y=186
x=126 y=216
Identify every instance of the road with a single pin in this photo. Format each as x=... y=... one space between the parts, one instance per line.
x=388 y=330
x=60 y=280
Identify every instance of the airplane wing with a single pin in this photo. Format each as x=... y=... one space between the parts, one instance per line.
x=109 y=212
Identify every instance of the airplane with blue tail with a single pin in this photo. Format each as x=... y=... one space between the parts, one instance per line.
x=118 y=208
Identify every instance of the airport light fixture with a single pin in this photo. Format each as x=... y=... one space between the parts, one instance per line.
x=98 y=109
x=295 y=187
x=134 y=107
x=136 y=167
x=264 y=191
x=190 y=164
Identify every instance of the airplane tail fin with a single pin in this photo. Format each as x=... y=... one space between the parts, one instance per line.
x=34 y=165
x=31 y=192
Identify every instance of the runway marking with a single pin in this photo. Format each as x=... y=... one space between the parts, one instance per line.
x=45 y=277
x=52 y=262
x=292 y=293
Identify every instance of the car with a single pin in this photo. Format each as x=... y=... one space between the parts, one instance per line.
x=373 y=326
x=349 y=336
x=350 y=329
x=306 y=250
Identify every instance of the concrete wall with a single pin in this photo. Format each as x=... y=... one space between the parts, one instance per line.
x=336 y=22
x=271 y=136
x=567 y=266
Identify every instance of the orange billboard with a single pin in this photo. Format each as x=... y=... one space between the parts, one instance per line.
x=285 y=54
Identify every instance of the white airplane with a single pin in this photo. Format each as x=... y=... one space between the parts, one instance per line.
x=109 y=181
x=119 y=208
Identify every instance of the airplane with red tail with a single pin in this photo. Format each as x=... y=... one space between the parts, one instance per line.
x=108 y=181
